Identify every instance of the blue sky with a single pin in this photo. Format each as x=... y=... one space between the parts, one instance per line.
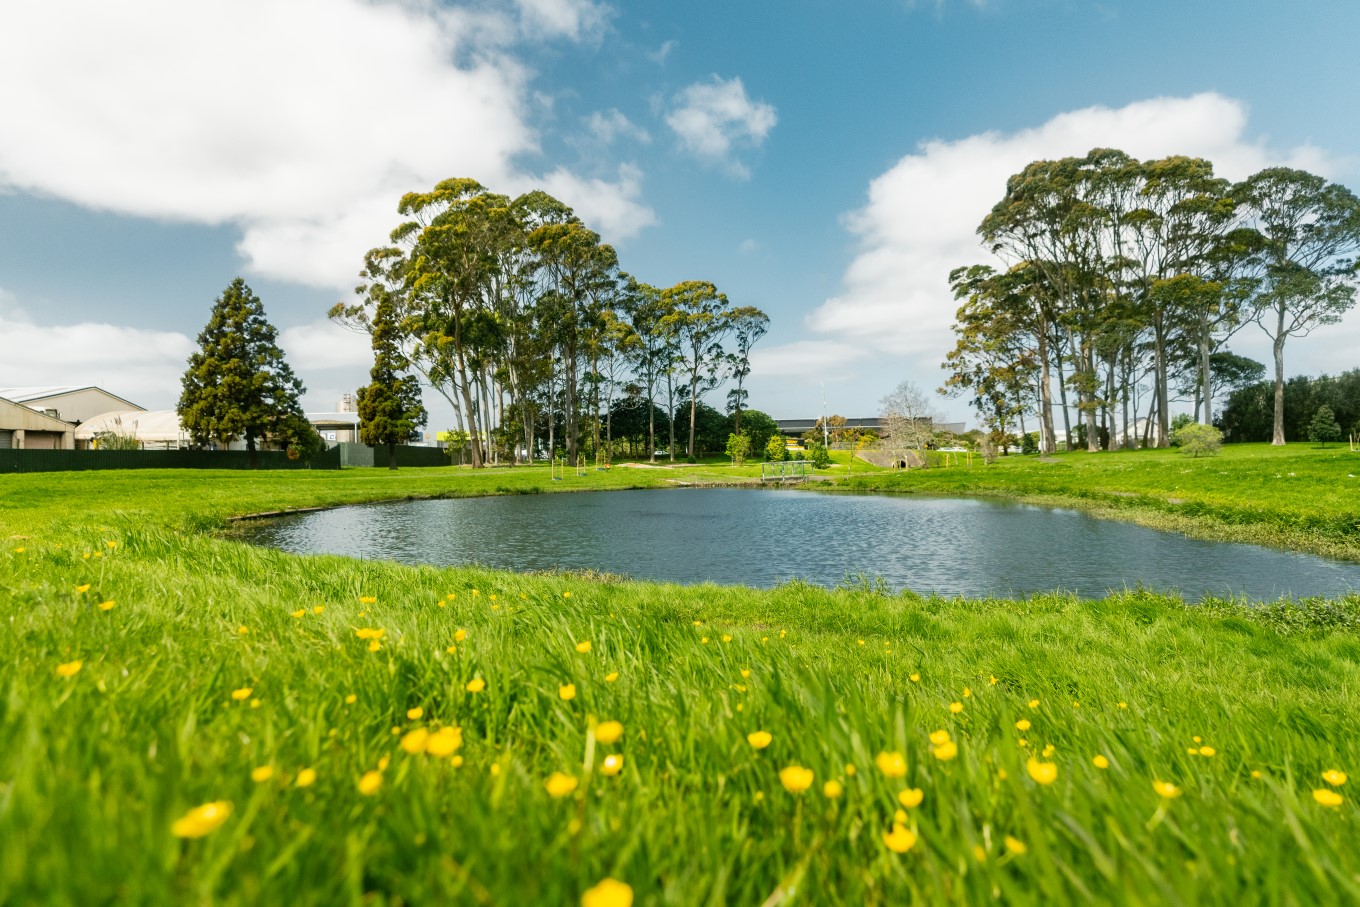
x=824 y=161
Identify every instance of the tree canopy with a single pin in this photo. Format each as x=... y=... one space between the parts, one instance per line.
x=238 y=384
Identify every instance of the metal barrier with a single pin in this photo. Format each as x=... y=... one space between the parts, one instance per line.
x=81 y=460
x=783 y=471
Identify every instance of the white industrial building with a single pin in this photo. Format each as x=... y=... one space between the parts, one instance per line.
x=71 y=403
x=25 y=428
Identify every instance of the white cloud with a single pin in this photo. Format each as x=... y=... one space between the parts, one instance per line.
x=300 y=122
x=325 y=344
x=140 y=365
x=613 y=208
x=921 y=214
x=574 y=20
x=714 y=119
x=662 y=53
x=609 y=125
x=804 y=358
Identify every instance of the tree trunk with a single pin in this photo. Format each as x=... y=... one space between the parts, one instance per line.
x=1049 y=439
x=1062 y=397
x=1277 y=436
x=1159 y=382
x=693 y=407
x=392 y=455
x=1206 y=390
x=250 y=446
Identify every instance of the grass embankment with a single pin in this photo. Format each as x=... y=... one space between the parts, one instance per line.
x=285 y=688
x=1297 y=497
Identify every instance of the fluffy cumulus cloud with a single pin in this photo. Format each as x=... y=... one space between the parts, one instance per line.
x=300 y=122
x=716 y=119
x=922 y=214
x=608 y=126
x=142 y=365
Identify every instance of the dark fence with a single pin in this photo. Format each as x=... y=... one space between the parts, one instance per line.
x=76 y=460
x=352 y=454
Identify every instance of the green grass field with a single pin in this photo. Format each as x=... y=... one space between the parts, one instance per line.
x=1130 y=750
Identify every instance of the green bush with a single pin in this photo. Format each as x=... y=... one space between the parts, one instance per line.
x=1196 y=440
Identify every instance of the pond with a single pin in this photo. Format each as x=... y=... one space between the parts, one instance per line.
x=953 y=546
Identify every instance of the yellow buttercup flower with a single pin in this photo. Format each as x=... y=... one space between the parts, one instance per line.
x=300 y=612
x=796 y=779
x=583 y=647
x=83 y=588
x=745 y=672
x=559 y=785
x=415 y=713
x=892 y=765
x=1023 y=725
x=306 y=777
x=459 y=635
x=1015 y=846
x=608 y=893
x=350 y=699
x=444 y=742
x=567 y=692
x=242 y=694
x=108 y=605
x=70 y=668
x=1166 y=790
x=374 y=645
x=1328 y=797
x=201 y=820
x=370 y=782
x=369 y=633
x=946 y=751
x=901 y=839
x=1042 y=772
x=1207 y=751
x=956 y=707
x=611 y=677
x=1034 y=703
x=609 y=732
x=911 y=797
x=832 y=789
x=368 y=599
x=318 y=609
x=914 y=678
x=1334 y=777
x=476 y=685
x=938 y=737
x=414 y=742
x=759 y=739
x=613 y=764
x=1099 y=761
x=262 y=773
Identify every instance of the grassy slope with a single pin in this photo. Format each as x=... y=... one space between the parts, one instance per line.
x=1297 y=497
x=95 y=768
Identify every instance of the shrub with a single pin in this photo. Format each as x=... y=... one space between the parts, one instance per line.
x=775 y=449
x=1196 y=440
x=1029 y=444
x=738 y=446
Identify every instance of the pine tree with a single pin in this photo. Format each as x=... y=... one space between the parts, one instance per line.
x=390 y=410
x=1324 y=427
x=238 y=384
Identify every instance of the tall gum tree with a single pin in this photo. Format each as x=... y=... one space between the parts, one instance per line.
x=1310 y=234
x=699 y=318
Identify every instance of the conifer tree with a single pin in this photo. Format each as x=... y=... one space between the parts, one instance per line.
x=238 y=384
x=390 y=410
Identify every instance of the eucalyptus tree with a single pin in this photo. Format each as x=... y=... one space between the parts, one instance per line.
x=650 y=345
x=749 y=324
x=1009 y=308
x=577 y=269
x=699 y=318
x=1310 y=234
x=994 y=359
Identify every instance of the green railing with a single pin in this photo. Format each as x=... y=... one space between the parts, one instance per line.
x=786 y=471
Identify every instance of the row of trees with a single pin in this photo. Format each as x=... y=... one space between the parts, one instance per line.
x=1122 y=279
x=1247 y=414
x=518 y=315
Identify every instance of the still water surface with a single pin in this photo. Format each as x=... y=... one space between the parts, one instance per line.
x=954 y=546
